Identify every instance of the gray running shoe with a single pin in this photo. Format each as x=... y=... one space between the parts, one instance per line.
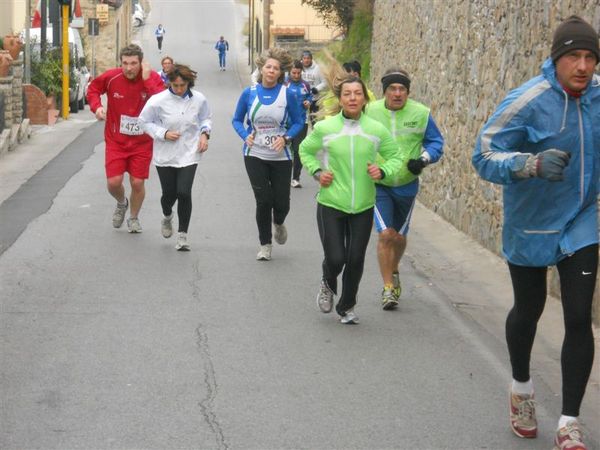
x=182 y=243
x=280 y=234
x=134 y=225
x=119 y=215
x=264 y=253
x=166 y=227
x=350 y=318
x=325 y=297
x=388 y=299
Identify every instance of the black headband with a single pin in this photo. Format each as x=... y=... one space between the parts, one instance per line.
x=395 y=77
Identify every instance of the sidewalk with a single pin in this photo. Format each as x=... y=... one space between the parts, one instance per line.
x=27 y=158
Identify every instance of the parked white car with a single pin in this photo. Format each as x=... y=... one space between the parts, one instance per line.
x=138 y=18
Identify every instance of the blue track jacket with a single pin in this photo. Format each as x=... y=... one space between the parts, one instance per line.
x=545 y=221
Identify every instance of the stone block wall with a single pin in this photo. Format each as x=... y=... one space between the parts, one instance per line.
x=463 y=57
x=11 y=88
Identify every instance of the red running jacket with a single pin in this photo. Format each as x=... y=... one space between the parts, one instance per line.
x=124 y=97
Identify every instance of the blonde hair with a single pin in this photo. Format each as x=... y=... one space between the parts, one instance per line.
x=279 y=54
x=335 y=76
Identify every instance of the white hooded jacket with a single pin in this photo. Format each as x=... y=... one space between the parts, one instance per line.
x=189 y=115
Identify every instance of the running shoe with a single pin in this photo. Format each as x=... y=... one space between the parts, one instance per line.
x=397 y=285
x=264 y=253
x=522 y=415
x=388 y=299
x=350 y=318
x=325 y=297
x=569 y=437
x=280 y=234
x=133 y=225
x=166 y=227
x=296 y=184
x=182 y=243
x=119 y=215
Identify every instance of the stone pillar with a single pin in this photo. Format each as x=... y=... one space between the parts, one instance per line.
x=6 y=89
x=17 y=91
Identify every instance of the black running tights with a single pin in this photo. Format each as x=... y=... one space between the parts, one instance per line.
x=176 y=183
x=344 y=238
x=577 y=281
x=270 y=182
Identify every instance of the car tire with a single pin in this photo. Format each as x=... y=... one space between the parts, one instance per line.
x=81 y=103
x=138 y=23
x=74 y=106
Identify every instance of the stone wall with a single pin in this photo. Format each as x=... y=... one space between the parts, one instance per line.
x=463 y=57
x=113 y=36
x=15 y=128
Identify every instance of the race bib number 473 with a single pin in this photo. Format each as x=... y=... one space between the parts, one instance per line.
x=130 y=126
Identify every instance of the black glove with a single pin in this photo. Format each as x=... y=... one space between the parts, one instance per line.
x=416 y=165
x=314 y=91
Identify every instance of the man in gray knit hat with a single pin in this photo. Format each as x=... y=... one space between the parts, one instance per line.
x=543 y=144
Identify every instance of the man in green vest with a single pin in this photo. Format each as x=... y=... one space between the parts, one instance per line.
x=421 y=144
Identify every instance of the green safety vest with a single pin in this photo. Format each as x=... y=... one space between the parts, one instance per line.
x=407 y=126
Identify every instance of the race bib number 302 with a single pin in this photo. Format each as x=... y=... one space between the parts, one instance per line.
x=130 y=126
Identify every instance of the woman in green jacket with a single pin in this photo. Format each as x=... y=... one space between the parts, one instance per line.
x=350 y=141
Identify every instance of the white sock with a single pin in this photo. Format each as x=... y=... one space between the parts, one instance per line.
x=564 y=420
x=525 y=388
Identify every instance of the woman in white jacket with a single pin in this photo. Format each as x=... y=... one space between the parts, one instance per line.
x=179 y=121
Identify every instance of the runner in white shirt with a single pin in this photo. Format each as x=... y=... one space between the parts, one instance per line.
x=179 y=121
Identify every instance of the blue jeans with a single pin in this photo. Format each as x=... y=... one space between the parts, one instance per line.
x=222 y=59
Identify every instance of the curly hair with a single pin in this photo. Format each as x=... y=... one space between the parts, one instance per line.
x=279 y=54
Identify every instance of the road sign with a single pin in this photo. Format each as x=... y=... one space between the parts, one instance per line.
x=102 y=13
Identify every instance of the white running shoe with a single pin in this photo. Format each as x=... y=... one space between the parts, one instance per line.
x=182 y=243
x=134 y=225
x=325 y=297
x=296 y=184
x=350 y=318
x=280 y=234
x=119 y=215
x=264 y=253
x=166 y=227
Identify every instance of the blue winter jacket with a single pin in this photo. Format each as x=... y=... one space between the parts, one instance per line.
x=545 y=221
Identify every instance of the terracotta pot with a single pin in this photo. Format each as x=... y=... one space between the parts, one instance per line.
x=5 y=62
x=13 y=44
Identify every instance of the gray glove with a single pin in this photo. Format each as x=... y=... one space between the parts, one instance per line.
x=548 y=165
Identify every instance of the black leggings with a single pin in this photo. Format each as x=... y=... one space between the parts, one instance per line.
x=577 y=280
x=176 y=183
x=344 y=238
x=295 y=148
x=270 y=182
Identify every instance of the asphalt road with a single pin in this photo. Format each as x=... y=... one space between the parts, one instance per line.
x=117 y=341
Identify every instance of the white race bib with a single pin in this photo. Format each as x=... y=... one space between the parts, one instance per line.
x=130 y=126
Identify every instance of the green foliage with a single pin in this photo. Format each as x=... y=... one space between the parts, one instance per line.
x=335 y=13
x=357 y=44
x=1 y=43
x=47 y=73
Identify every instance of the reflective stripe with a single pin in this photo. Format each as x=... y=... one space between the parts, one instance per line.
x=506 y=116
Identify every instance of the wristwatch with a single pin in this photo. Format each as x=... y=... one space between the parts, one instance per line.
x=287 y=139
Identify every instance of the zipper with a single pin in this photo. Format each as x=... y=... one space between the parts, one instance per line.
x=352 y=172
x=581 y=150
x=393 y=121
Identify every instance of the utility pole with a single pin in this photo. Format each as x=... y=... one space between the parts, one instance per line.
x=65 y=57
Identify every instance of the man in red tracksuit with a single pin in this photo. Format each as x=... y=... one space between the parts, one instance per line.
x=128 y=149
